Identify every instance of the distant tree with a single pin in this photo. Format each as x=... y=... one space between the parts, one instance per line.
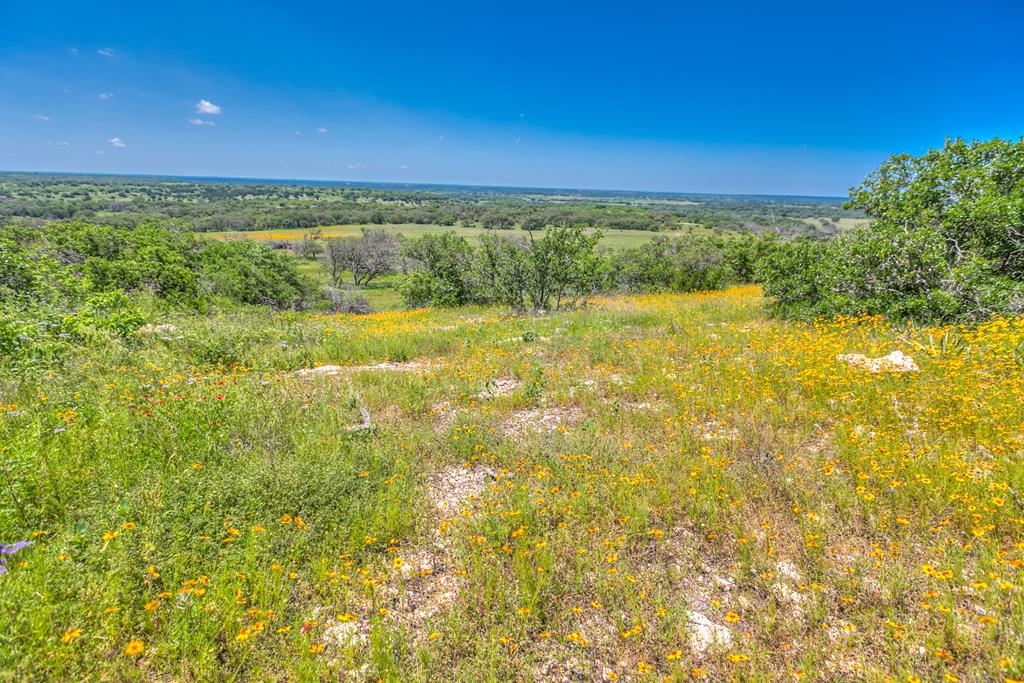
x=370 y=256
x=309 y=246
x=531 y=223
x=498 y=220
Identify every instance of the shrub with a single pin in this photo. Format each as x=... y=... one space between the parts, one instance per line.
x=794 y=277
x=104 y=312
x=549 y=273
x=420 y=289
x=564 y=268
x=903 y=273
x=348 y=300
x=745 y=251
x=946 y=242
x=683 y=264
x=77 y=283
x=972 y=193
x=249 y=272
x=446 y=260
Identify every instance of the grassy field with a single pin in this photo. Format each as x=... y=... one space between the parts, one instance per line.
x=613 y=239
x=382 y=293
x=665 y=487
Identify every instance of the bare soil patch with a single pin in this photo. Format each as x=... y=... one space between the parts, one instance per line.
x=541 y=420
x=414 y=366
x=499 y=387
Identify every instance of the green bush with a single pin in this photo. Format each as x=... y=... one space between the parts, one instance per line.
x=972 y=193
x=682 y=264
x=448 y=261
x=103 y=313
x=946 y=242
x=793 y=275
x=77 y=283
x=557 y=270
x=249 y=272
x=420 y=289
x=903 y=274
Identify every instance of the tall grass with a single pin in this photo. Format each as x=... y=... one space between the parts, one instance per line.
x=198 y=510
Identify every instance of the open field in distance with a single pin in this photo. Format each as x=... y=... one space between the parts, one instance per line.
x=614 y=239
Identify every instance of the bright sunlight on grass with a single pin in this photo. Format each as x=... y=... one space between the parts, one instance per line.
x=654 y=485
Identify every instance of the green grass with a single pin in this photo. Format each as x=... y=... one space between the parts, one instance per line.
x=381 y=292
x=651 y=456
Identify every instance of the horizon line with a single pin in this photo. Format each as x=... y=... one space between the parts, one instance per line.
x=366 y=183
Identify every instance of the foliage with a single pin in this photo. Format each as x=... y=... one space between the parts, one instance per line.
x=971 y=193
x=687 y=264
x=560 y=268
x=946 y=242
x=370 y=256
x=248 y=272
x=128 y=201
x=564 y=268
x=446 y=260
x=75 y=283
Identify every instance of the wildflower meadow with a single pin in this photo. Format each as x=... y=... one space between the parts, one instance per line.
x=651 y=487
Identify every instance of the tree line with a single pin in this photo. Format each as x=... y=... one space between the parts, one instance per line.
x=551 y=270
x=30 y=199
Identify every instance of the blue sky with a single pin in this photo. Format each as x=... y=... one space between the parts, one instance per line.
x=749 y=97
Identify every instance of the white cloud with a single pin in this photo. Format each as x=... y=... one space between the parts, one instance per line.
x=73 y=51
x=105 y=95
x=402 y=166
x=117 y=142
x=358 y=164
x=41 y=117
x=202 y=122
x=296 y=132
x=105 y=51
x=321 y=130
x=207 y=107
x=100 y=151
x=61 y=143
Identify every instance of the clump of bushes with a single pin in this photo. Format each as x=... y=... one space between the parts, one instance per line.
x=691 y=263
x=548 y=273
x=248 y=272
x=73 y=283
x=946 y=242
x=564 y=267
